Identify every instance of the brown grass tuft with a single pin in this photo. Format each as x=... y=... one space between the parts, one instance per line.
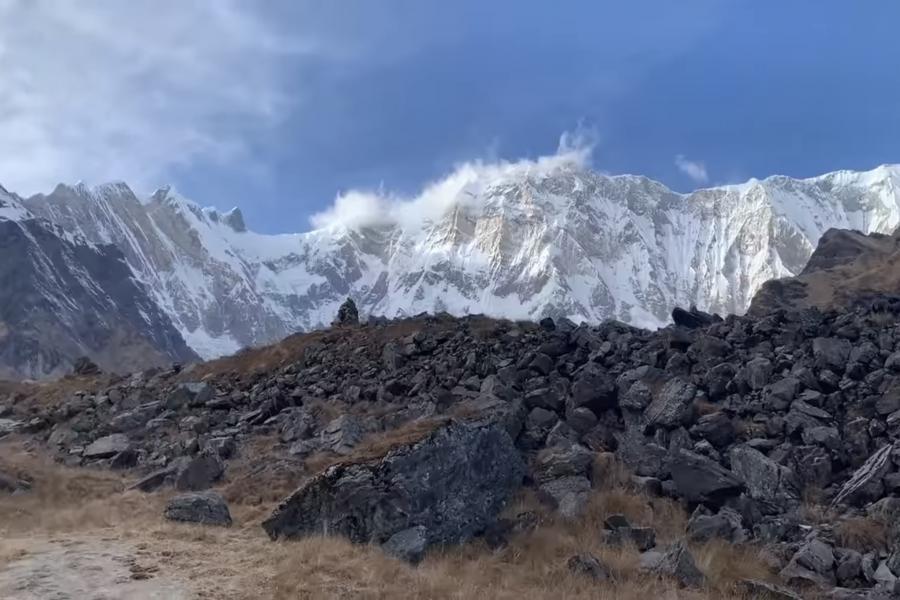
x=862 y=534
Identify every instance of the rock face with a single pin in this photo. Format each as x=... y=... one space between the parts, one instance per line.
x=845 y=267
x=64 y=298
x=444 y=489
x=526 y=241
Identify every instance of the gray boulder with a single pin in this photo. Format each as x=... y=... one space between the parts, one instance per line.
x=672 y=406
x=207 y=508
x=200 y=472
x=699 y=479
x=342 y=434
x=453 y=483
x=408 y=545
x=831 y=353
x=774 y=486
x=568 y=495
x=866 y=483
x=107 y=447
x=813 y=562
x=678 y=563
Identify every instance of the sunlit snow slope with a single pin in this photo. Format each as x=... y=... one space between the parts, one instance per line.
x=522 y=240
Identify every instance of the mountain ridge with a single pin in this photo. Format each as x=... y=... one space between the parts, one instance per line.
x=523 y=241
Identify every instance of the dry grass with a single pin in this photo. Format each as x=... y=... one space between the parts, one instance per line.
x=240 y=563
x=862 y=534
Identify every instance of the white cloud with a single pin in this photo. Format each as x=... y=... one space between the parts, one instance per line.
x=361 y=208
x=694 y=169
x=101 y=89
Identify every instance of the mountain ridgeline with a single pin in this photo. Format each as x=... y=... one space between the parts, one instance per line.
x=95 y=270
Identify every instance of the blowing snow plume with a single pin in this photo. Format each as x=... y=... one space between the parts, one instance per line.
x=467 y=181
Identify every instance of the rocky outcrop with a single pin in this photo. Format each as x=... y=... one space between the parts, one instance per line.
x=443 y=489
x=206 y=508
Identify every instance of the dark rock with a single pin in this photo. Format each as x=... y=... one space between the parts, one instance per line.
x=716 y=428
x=568 y=495
x=865 y=485
x=813 y=562
x=679 y=564
x=693 y=318
x=199 y=473
x=453 y=483
x=347 y=314
x=725 y=525
x=107 y=447
x=594 y=389
x=774 y=486
x=699 y=479
x=831 y=353
x=673 y=406
x=207 y=508
x=84 y=366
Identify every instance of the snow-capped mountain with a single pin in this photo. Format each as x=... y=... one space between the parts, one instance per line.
x=522 y=241
x=62 y=298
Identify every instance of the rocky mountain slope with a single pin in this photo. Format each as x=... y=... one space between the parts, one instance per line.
x=778 y=431
x=523 y=241
x=847 y=267
x=62 y=298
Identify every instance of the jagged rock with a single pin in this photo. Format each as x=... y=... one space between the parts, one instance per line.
x=831 y=353
x=726 y=525
x=774 y=486
x=865 y=485
x=678 y=563
x=813 y=562
x=199 y=473
x=342 y=434
x=588 y=565
x=699 y=479
x=673 y=406
x=693 y=318
x=207 y=508
x=84 y=366
x=716 y=428
x=562 y=461
x=453 y=483
x=347 y=314
x=568 y=495
x=107 y=447
x=593 y=388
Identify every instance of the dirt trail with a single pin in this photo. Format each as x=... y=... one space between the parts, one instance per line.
x=84 y=568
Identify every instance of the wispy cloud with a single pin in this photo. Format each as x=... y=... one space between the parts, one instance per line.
x=100 y=90
x=694 y=169
x=357 y=208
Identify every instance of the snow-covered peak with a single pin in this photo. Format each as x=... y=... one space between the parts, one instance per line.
x=11 y=209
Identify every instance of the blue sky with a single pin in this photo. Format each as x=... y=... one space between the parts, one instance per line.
x=277 y=107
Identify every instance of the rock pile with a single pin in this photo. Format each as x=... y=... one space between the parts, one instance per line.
x=740 y=418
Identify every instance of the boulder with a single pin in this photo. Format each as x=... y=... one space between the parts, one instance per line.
x=813 y=562
x=453 y=483
x=699 y=479
x=831 y=353
x=568 y=495
x=692 y=318
x=408 y=545
x=347 y=314
x=672 y=406
x=107 y=447
x=774 y=486
x=866 y=483
x=342 y=434
x=207 y=508
x=678 y=563
x=200 y=472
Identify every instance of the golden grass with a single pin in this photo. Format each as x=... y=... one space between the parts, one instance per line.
x=862 y=534
x=240 y=563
